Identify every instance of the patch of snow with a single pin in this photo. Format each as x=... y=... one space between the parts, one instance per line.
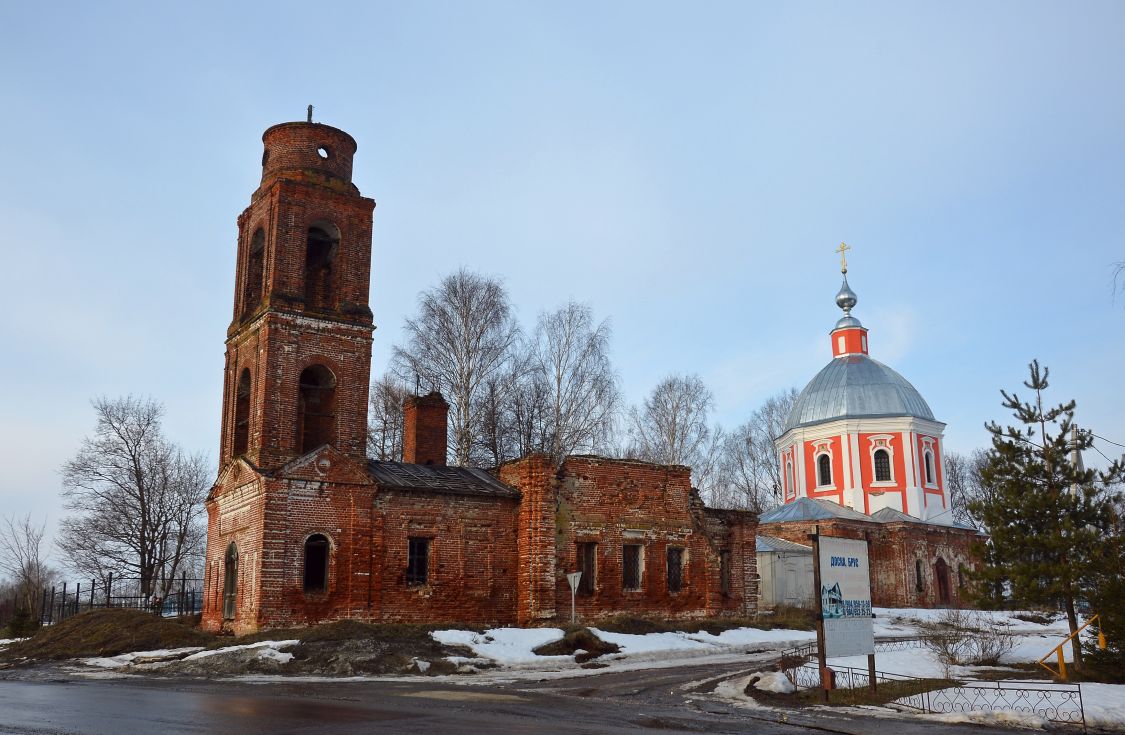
x=1104 y=705
x=512 y=646
x=995 y=717
x=124 y=659
x=632 y=643
x=773 y=681
x=10 y=641
x=275 y=645
x=423 y=666
x=272 y=654
x=734 y=691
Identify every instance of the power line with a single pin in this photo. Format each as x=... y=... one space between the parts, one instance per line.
x=1116 y=444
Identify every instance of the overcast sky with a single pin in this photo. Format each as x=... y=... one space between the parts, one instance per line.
x=686 y=169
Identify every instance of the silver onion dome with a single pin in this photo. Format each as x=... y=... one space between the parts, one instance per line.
x=846 y=298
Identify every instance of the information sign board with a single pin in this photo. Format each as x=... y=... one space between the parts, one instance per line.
x=845 y=597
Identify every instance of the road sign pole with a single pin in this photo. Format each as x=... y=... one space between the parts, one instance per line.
x=573 y=578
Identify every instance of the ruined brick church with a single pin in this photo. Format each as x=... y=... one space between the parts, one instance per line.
x=304 y=528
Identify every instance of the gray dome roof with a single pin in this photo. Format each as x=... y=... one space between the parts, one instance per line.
x=856 y=386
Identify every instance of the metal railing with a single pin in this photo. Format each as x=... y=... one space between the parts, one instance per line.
x=185 y=597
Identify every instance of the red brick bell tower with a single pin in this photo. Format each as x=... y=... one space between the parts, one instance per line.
x=292 y=460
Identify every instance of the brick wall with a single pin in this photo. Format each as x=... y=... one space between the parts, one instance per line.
x=898 y=552
x=425 y=422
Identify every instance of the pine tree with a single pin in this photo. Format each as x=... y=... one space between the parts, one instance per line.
x=1046 y=516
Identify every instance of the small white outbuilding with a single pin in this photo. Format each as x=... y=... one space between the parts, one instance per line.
x=786 y=572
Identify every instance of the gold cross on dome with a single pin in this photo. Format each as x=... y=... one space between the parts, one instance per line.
x=843 y=251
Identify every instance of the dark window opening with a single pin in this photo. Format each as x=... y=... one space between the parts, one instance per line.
x=675 y=569
x=316 y=563
x=253 y=285
x=320 y=256
x=724 y=572
x=418 y=561
x=929 y=468
x=918 y=585
x=230 y=582
x=960 y=576
x=242 y=413
x=882 y=466
x=316 y=408
x=941 y=574
x=588 y=565
x=631 y=567
x=824 y=470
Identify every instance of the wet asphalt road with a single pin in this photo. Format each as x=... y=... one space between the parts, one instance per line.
x=654 y=702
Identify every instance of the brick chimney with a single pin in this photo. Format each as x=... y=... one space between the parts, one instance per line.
x=425 y=420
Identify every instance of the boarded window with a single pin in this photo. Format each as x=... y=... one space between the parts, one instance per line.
x=320 y=256
x=242 y=413
x=724 y=572
x=418 y=561
x=253 y=284
x=316 y=408
x=316 y=563
x=882 y=466
x=675 y=569
x=631 y=567
x=824 y=470
x=588 y=565
x=230 y=582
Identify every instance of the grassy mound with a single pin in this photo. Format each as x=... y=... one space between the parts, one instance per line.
x=108 y=632
x=580 y=639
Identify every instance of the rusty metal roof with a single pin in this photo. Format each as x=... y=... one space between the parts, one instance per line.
x=433 y=479
x=775 y=544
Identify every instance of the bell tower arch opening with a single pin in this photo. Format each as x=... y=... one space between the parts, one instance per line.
x=253 y=285
x=321 y=247
x=242 y=414
x=316 y=408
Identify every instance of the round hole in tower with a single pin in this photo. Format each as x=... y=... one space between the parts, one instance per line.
x=322 y=151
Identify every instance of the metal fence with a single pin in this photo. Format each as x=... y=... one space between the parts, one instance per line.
x=185 y=597
x=1056 y=702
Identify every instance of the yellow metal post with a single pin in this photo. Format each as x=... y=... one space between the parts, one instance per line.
x=1062 y=664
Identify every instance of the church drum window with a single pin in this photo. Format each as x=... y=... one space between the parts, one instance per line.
x=316 y=408
x=930 y=480
x=242 y=413
x=882 y=465
x=587 y=553
x=316 y=563
x=631 y=567
x=417 y=562
x=790 y=488
x=320 y=256
x=230 y=582
x=675 y=569
x=824 y=470
x=254 y=285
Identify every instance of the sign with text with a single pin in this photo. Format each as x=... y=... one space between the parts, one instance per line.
x=845 y=597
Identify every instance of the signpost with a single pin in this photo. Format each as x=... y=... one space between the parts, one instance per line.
x=842 y=575
x=573 y=578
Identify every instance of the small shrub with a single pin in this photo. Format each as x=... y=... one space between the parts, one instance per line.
x=1035 y=617
x=968 y=638
x=581 y=639
x=22 y=625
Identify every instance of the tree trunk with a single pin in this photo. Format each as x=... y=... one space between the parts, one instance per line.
x=1072 y=621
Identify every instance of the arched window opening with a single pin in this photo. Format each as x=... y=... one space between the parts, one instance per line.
x=316 y=563
x=230 y=581
x=789 y=486
x=316 y=408
x=242 y=413
x=882 y=465
x=824 y=470
x=254 y=286
x=941 y=574
x=930 y=468
x=918 y=585
x=320 y=255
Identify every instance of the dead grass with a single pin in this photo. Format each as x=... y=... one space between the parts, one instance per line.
x=887 y=692
x=580 y=639
x=108 y=632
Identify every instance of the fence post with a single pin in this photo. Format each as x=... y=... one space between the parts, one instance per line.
x=93 y=584
x=62 y=604
x=43 y=606
x=183 y=589
x=77 y=594
x=51 y=610
x=108 y=587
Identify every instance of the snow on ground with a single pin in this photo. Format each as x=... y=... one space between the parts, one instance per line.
x=511 y=646
x=995 y=717
x=269 y=649
x=1104 y=705
x=10 y=641
x=113 y=662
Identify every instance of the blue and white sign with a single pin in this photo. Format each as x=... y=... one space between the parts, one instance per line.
x=845 y=597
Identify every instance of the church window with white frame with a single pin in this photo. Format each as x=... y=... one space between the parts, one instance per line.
x=823 y=470
x=881 y=458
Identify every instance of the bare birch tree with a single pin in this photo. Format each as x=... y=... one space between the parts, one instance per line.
x=462 y=336
x=749 y=473
x=23 y=558
x=135 y=499
x=573 y=374
x=963 y=476
x=671 y=427
x=385 y=418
